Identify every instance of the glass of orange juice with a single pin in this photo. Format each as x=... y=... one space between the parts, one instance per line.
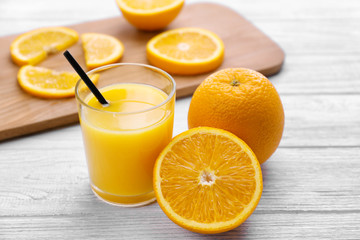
x=123 y=139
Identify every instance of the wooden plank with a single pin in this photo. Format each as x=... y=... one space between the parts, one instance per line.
x=309 y=63
x=48 y=193
x=321 y=120
x=144 y=225
x=246 y=46
x=319 y=74
x=315 y=36
x=31 y=185
x=25 y=17
x=317 y=120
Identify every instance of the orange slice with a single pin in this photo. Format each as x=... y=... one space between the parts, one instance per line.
x=101 y=49
x=47 y=83
x=150 y=14
x=186 y=51
x=207 y=180
x=34 y=46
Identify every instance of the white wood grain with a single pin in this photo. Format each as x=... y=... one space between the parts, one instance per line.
x=311 y=120
x=151 y=225
x=294 y=177
x=300 y=194
x=311 y=183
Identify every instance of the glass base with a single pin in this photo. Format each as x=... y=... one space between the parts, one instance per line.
x=124 y=201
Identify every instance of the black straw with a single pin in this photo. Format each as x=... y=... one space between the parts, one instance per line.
x=85 y=78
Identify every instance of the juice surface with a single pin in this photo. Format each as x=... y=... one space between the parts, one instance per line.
x=123 y=140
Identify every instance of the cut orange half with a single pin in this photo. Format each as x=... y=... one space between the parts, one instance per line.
x=101 y=49
x=186 y=51
x=34 y=46
x=150 y=14
x=47 y=83
x=207 y=180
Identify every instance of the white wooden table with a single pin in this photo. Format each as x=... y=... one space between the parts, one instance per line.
x=311 y=183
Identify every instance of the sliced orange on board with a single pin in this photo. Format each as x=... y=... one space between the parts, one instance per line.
x=34 y=46
x=150 y=14
x=101 y=49
x=207 y=180
x=186 y=51
x=47 y=83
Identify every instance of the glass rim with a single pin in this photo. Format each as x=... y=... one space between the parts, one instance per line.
x=169 y=97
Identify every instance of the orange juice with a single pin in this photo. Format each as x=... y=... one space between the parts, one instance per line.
x=123 y=140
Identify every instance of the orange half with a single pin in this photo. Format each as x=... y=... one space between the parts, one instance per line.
x=150 y=15
x=207 y=180
x=186 y=51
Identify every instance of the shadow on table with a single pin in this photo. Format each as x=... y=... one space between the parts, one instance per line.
x=237 y=233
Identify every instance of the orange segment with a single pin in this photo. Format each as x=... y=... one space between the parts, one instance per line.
x=150 y=14
x=47 y=83
x=34 y=46
x=207 y=180
x=186 y=51
x=101 y=49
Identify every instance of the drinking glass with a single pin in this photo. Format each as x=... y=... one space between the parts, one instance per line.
x=123 y=140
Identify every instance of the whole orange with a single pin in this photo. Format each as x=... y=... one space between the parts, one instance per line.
x=241 y=101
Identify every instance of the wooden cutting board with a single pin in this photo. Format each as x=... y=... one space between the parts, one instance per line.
x=245 y=46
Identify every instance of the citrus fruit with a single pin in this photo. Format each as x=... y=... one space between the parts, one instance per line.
x=101 y=49
x=47 y=83
x=207 y=180
x=150 y=15
x=34 y=46
x=243 y=102
x=186 y=51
